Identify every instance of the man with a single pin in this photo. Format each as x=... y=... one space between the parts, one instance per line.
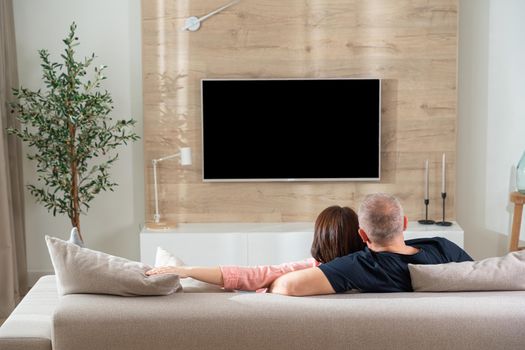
x=382 y=266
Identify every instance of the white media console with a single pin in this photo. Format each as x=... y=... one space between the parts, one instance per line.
x=253 y=243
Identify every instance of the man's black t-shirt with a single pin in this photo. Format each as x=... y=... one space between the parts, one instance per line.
x=368 y=271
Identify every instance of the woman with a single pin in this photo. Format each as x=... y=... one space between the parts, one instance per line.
x=335 y=234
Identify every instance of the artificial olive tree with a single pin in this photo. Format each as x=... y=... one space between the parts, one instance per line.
x=70 y=133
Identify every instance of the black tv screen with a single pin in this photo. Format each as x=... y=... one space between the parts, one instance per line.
x=291 y=129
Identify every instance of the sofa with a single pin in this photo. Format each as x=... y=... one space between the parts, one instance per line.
x=239 y=320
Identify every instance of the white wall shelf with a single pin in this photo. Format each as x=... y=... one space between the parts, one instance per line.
x=254 y=243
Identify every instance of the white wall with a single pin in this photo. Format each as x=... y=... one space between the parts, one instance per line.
x=491 y=120
x=112 y=30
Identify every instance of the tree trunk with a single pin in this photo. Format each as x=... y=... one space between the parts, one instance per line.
x=75 y=210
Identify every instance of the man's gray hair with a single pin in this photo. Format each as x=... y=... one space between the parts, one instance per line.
x=381 y=217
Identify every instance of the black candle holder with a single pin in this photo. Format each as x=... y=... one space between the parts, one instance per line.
x=426 y=221
x=444 y=223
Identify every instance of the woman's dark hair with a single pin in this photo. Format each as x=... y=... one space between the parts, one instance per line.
x=335 y=234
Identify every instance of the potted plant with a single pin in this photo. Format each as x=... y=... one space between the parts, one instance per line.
x=70 y=133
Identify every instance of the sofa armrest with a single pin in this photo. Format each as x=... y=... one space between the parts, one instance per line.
x=29 y=326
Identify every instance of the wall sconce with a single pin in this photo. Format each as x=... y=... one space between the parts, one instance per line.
x=185 y=159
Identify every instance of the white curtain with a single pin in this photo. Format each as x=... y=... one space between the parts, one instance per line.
x=13 y=265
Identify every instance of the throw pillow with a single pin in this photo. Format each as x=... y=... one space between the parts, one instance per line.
x=82 y=270
x=499 y=273
x=165 y=258
x=189 y=285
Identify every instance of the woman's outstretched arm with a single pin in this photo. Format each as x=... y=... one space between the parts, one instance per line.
x=257 y=277
x=210 y=274
x=236 y=277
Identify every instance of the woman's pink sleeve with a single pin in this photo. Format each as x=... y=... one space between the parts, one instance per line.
x=256 y=277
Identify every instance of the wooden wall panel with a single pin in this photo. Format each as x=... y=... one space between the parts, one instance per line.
x=410 y=44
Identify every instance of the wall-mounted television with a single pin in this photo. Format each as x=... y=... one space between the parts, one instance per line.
x=291 y=129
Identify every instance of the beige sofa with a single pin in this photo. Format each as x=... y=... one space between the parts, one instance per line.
x=474 y=320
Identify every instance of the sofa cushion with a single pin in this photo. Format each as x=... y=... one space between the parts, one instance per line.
x=499 y=273
x=255 y=321
x=82 y=270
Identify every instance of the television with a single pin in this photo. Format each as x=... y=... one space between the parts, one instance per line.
x=291 y=129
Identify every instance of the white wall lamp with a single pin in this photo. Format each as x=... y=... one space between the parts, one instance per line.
x=185 y=159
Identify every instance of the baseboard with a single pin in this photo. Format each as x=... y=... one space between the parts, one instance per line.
x=33 y=276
